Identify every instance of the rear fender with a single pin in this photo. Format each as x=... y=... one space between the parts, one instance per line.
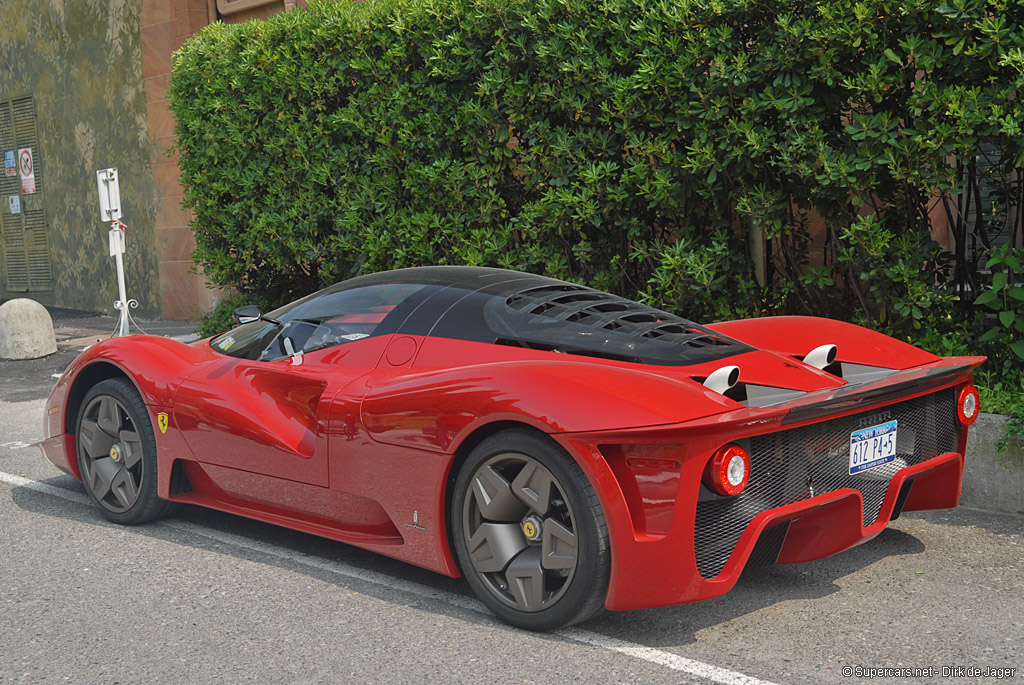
x=796 y=336
x=438 y=410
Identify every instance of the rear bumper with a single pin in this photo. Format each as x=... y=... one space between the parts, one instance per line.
x=662 y=572
x=830 y=523
x=671 y=544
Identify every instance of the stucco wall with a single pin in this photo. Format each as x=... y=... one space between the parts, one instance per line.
x=993 y=480
x=82 y=62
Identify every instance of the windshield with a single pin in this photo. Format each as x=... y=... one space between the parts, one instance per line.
x=334 y=316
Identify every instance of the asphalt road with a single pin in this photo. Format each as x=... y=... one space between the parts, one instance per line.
x=208 y=597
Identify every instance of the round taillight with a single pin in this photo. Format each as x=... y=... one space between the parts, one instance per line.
x=728 y=471
x=967 y=405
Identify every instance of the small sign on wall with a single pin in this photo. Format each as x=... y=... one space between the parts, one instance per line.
x=15 y=203
x=27 y=171
x=10 y=165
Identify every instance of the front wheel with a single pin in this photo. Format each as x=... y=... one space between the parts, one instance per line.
x=117 y=453
x=529 y=532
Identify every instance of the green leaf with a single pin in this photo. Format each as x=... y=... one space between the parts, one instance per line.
x=999 y=280
x=1006 y=318
x=1017 y=293
x=991 y=334
x=1018 y=348
x=987 y=297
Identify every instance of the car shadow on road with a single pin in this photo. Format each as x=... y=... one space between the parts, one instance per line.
x=758 y=589
x=296 y=546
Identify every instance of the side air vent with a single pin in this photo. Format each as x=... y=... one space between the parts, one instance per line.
x=530 y=345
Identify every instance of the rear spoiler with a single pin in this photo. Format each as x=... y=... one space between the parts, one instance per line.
x=917 y=381
x=845 y=399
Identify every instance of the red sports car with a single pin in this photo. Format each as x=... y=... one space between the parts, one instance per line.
x=565 y=449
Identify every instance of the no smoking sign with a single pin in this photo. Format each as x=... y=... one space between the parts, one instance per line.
x=27 y=171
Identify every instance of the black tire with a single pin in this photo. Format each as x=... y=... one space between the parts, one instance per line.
x=116 y=451
x=539 y=560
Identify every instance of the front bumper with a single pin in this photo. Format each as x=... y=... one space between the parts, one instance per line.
x=57 y=448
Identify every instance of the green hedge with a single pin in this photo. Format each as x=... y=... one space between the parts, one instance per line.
x=629 y=144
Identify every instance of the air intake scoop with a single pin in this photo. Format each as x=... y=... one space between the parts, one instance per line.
x=822 y=356
x=723 y=379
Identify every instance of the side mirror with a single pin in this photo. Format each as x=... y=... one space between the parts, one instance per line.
x=246 y=314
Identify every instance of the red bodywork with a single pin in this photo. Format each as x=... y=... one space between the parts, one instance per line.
x=358 y=442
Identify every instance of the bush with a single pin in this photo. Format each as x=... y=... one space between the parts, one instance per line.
x=637 y=146
x=219 y=319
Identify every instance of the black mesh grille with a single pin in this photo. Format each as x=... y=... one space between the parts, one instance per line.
x=572 y=319
x=793 y=465
x=609 y=312
x=769 y=545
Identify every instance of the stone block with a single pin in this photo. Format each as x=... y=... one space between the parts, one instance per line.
x=26 y=330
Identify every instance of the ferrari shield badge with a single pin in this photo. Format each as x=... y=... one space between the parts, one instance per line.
x=161 y=421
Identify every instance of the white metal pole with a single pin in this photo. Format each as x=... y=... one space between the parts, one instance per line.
x=110 y=210
x=117 y=236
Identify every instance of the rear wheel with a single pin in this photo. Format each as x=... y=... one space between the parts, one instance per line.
x=117 y=453
x=529 y=532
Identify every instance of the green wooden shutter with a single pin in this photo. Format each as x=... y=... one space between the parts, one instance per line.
x=24 y=237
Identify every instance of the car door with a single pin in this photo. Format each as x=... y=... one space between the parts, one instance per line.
x=270 y=417
x=264 y=405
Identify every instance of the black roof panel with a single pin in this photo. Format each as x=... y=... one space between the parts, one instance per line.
x=526 y=310
x=494 y=306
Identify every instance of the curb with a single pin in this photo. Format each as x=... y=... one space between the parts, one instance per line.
x=993 y=480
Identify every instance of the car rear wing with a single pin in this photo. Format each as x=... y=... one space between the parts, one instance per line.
x=899 y=385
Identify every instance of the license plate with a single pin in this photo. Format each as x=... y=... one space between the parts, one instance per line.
x=872 y=446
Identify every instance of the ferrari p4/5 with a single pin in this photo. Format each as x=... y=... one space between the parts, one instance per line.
x=564 y=449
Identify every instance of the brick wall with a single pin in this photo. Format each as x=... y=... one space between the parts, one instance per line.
x=165 y=25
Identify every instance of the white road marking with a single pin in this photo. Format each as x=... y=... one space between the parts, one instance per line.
x=657 y=656
x=16 y=445
x=649 y=654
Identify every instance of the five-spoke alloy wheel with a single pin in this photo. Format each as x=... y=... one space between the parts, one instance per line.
x=529 y=532
x=117 y=453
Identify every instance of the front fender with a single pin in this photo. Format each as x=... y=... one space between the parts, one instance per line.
x=154 y=365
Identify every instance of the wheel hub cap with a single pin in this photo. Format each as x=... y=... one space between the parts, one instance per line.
x=533 y=528
x=110 y=454
x=519 y=532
